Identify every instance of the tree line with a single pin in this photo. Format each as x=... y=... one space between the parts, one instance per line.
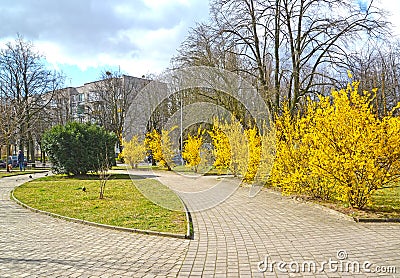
x=33 y=99
x=26 y=86
x=291 y=49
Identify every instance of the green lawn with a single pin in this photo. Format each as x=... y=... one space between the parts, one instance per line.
x=4 y=173
x=205 y=170
x=122 y=206
x=385 y=204
x=125 y=167
x=119 y=167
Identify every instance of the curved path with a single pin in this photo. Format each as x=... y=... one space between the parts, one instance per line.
x=35 y=245
x=230 y=239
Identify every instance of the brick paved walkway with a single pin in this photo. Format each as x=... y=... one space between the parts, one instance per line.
x=35 y=245
x=230 y=239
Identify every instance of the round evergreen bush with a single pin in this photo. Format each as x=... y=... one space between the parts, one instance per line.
x=79 y=148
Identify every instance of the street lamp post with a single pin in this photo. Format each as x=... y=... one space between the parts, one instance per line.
x=182 y=162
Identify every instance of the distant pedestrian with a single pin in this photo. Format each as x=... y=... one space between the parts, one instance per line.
x=9 y=164
x=21 y=160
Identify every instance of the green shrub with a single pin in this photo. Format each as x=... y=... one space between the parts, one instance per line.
x=79 y=148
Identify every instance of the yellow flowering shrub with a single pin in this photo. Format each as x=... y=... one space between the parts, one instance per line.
x=291 y=166
x=230 y=146
x=160 y=146
x=254 y=150
x=264 y=152
x=222 y=148
x=247 y=153
x=191 y=150
x=134 y=151
x=338 y=149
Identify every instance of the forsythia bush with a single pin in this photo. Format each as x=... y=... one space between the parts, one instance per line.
x=134 y=151
x=191 y=151
x=262 y=148
x=254 y=150
x=338 y=149
x=222 y=148
x=246 y=153
x=160 y=146
x=230 y=146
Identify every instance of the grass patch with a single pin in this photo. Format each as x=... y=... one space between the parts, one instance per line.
x=119 y=167
x=385 y=204
x=124 y=205
x=145 y=167
x=4 y=173
x=202 y=170
x=158 y=193
x=205 y=170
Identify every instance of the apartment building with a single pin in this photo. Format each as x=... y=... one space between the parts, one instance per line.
x=89 y=103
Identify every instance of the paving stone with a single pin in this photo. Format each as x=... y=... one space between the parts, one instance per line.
x=230 y=239
x=66 y=249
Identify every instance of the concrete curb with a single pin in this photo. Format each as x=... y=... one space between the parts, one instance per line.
x=188 y=234
x=377 y=220
x=189 y=226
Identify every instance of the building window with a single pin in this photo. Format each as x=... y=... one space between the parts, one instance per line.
x=80 y=109
x=93 y=96
x=53 y=103
x=81 y=97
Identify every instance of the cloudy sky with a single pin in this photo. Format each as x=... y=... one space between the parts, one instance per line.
x=83 y=37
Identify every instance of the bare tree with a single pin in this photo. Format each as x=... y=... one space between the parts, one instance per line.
x=248 y=27
x=288 y=48
x=110 y=98
x=104 y=174
x=58 y=110
x=378 y=66
x=8 y=123
x=204 y=46
x=25 y=81
x=321 y=33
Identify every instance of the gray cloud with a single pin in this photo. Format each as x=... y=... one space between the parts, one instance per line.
x=85 y=28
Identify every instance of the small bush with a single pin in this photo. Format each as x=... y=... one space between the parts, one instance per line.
x=134 y=151
x=192 y=150
x=79 y=148
x=160 y=146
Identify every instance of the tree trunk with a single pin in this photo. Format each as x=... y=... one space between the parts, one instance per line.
x=277 y=58
x=8 y=155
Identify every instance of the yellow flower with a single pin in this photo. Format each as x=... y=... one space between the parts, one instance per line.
x=349 y=74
